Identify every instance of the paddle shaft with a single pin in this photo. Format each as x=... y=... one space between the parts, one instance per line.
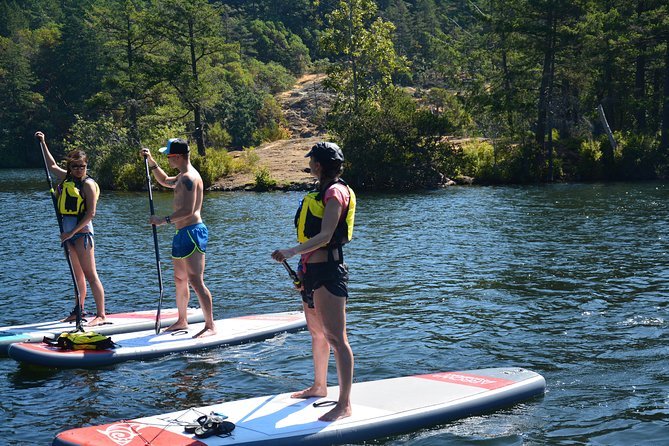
x=293 y=275
x=155 y=244
x=54 y=200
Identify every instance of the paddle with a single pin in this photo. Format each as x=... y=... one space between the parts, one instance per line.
x=155 y=244
x=54 y=199
x=296 y=280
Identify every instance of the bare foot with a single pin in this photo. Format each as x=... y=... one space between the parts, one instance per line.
x=177 y=326
x=97 y=320
x=337 y=413
x=311 y=391
x=72 y=317
x=205 y=332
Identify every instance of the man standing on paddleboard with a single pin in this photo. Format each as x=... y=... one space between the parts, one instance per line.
x=190 y=241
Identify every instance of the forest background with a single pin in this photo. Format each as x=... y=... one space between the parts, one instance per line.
x=422 y=91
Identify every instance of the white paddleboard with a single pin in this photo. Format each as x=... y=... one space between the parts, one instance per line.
x=380 y=408
x=115 y=323
x=147 y=344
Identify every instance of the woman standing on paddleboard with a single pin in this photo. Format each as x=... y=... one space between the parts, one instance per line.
x=77 y=202
x=324 y=224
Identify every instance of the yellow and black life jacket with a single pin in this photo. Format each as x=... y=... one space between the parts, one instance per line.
x=81 y=341
x=309 y=218
x=71 y=200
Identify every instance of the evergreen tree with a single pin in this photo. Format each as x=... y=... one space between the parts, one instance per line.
x=192 y=55
x=127 y=76
x=362 y=49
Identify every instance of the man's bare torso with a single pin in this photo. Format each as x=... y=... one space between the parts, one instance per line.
x=188 y=194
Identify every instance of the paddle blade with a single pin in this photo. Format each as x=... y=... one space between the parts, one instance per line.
x=160 y=304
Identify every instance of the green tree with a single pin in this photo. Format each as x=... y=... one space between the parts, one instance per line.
x=362 y=48
x=193 y=56
x=274 y=43
x=17 y=83
x=393 y=144
x=128 y=80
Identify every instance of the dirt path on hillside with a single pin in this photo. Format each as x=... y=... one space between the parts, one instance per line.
x=284 y=159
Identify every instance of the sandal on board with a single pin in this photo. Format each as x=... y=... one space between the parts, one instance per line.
x=201 y=421
x=211 y=428
x=190 y=428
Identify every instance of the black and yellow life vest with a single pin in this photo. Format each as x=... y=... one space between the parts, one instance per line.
x=81 y=341
x=71 y=200
x=309 y=218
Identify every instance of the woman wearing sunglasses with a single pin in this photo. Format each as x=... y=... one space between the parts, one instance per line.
x=77 y=196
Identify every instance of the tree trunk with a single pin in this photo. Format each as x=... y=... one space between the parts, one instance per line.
x=640 y=80
x=354 y=67
x=665 y=108
x=549 y=50
x=508 y=95
x=549 y=112
x=133 y=135
x=197 y=109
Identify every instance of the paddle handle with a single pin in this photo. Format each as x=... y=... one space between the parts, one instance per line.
x=295 y=278
x=291 y=273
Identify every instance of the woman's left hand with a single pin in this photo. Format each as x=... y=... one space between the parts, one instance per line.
x=65 y=236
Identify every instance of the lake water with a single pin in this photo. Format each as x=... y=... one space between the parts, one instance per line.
x=571 y=281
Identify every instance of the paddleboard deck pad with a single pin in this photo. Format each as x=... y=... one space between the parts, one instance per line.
x=115 y=323
x=147 y=344
x=380 y=408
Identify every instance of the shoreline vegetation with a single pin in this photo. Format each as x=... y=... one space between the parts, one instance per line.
x=419 y=94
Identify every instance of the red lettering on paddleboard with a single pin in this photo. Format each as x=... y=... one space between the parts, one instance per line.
x=484 y=382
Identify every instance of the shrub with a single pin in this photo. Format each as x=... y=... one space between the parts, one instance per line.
x=271 y=77
x=636 y=157
x=479 y=159
x=589 y=165
x=213 y=166
x=264 y=180
x=218 y=137
x=246 y=162
x=392 y=143
x=270 y=122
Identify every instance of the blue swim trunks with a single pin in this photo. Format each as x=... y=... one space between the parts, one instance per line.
x=189 y=239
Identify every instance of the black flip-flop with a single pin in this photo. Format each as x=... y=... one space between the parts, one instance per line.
x=211 y=428
x=190 y=428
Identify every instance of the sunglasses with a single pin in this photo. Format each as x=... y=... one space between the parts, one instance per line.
x=172 y=155
x=78 y=166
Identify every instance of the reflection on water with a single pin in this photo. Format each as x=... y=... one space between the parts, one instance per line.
x=566 y=280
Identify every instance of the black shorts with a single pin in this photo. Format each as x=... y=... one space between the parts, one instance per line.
x=333 y=276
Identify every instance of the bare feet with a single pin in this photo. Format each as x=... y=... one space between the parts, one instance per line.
x=337 y=413
x=97 y=320
x=311 y=391
x=205 y=332
x=178 y=325
x=72 y=317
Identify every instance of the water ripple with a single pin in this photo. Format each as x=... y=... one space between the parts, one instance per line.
x=567 y=280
